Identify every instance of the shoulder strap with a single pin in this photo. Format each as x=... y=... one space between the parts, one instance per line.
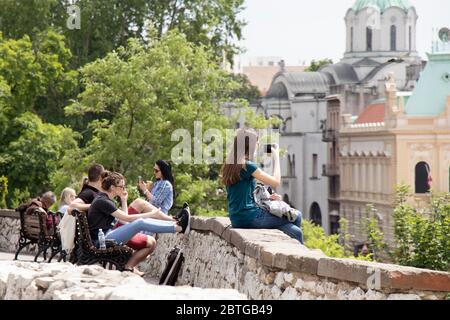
x=180 y=251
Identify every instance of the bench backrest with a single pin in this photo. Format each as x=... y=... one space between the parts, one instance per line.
x=83 y=230
x=33 y=222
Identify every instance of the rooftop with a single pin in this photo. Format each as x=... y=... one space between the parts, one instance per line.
x=383 y=5
x=429 y=97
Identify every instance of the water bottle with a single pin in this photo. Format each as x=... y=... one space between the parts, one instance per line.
x=101 y=239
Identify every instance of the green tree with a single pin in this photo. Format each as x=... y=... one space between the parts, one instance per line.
x=35 y=76
x=422 y=235
x=245 y=90
x=141 y=95
x=375 y=237
x=315 y=238
x=3 y=191
x=213 y=23
x=316 y=65
x=30 y=160
x=107 y=25
x=28 y=17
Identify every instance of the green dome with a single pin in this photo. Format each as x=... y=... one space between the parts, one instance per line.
x=383 y=5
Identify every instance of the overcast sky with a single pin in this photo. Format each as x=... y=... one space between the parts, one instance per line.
x=302 y=30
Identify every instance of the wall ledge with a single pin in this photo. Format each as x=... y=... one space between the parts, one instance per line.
x=274 y=249
x=7 y=213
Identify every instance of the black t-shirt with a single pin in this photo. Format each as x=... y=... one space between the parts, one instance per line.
x=100 y=215
x=88 y=194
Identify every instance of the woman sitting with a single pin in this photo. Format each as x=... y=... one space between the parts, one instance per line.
x=161 y=196
x=239 y=174
x=103 y=212
x=67 y=196
x=158 y=195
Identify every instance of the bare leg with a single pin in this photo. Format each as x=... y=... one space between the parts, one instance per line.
x=140 y=255
x=142 y=206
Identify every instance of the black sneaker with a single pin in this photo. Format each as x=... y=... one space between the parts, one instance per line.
x=184 y=219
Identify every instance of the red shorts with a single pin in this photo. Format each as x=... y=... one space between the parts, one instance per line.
x=140 y=240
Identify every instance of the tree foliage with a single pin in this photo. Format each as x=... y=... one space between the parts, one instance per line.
x=316 y=65
x=141 y=95
x=30 y=159
x=107 y=25
x=35 y=76
x=422 y=235
x=3 y=191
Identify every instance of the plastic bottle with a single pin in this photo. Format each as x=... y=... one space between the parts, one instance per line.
x=101 y=239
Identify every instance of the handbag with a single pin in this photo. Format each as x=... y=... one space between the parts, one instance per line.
x=277 y=208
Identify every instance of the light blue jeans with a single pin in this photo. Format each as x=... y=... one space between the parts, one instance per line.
x=124 y=233
x=265 y=220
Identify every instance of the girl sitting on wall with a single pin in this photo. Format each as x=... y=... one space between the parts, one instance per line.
x=239 y=174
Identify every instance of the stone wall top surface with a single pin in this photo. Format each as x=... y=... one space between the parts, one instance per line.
x=6 y=213
x=274 y=249
x=64 y=281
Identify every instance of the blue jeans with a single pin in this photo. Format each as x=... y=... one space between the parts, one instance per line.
x=124 y=233
x=265 y=220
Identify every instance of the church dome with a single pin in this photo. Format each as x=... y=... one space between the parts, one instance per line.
x=383 y=5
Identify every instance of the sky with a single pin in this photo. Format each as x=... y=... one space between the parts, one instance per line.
x=302 y=30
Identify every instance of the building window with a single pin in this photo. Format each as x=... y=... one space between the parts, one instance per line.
x=423 y=178
x=369 y=38
x=315 y=173
x=393 y=38
x=410 y=39
x=291 y=165
x=351 y=39
x=316 y=214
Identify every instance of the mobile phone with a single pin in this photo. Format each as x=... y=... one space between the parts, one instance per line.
x=268 y=148
x=140 y=178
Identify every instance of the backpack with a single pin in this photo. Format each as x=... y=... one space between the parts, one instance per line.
x=277 y=208
x=174 y=261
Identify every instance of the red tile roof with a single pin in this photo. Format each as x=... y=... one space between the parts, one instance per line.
x=373 y=113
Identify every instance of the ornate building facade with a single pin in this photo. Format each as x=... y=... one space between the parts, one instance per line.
x=381 y=39
x=402 y=139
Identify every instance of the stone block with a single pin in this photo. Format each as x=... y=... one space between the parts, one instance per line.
x=199 y=223
x=237 y=239
x=279 y=280
x=418 y=279
x=398 y=296
x=350 y=270
x=390 y=276
x=290 y=294
x=218 y=225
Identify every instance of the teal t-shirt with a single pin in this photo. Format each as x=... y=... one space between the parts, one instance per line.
x=241 y=204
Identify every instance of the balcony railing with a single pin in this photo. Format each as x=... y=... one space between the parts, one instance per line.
x=329 y=170
x=329 y=135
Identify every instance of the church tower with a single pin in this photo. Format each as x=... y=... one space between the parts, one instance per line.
x=381 y=30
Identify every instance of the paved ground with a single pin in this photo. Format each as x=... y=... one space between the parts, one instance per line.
x=4 y=256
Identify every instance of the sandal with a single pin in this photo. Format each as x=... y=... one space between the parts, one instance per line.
x=139 y=273
x=128 y=269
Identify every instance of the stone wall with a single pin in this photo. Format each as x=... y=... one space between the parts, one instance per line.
x=63 y=281
x=9 y=232
x=267 y=264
